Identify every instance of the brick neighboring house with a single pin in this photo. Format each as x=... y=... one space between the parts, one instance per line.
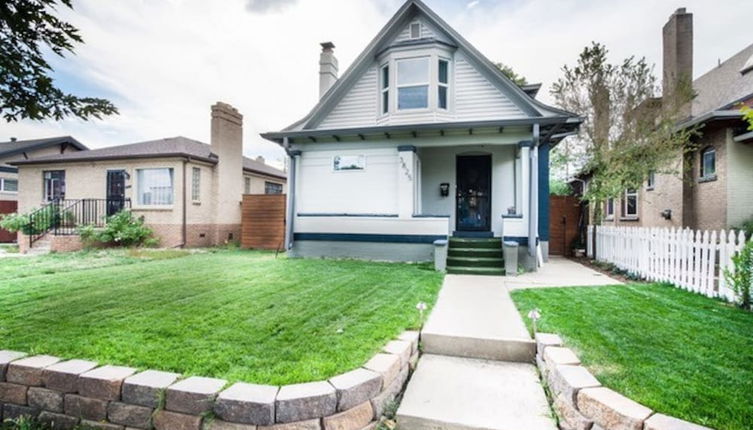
x=188 y=192
x=15 y=150
x=716 y=191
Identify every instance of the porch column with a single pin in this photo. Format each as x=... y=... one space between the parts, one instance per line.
x=533 y=202
x=406 y=177
x=293 y=155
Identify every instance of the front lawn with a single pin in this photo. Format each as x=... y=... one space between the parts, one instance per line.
x=676 y=352
x=237 y=315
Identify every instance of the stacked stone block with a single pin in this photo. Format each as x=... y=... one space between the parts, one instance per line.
x=65 y=394
x=581 y=403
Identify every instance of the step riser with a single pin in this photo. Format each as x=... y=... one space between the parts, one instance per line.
x=455 y=262
x=488 y=271
x=516 y=350
x=475 y=253
x=476 y=243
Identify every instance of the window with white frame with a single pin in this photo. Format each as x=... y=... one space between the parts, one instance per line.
x=385 y=88
x=272 y=188
x=54 y=185
x=630 y=204
x=9 y=185
x=154 y=186
x=413 y=83
x=651 y=180
x=246 y=185
x=443 y=83
x=708 y=163
x=415 y=30
x=196 y=184
x=348 y=162
x=609 y=208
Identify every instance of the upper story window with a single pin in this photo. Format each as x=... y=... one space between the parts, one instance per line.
x=415 y=30
x=413 y=83
x=708 y=163
x=651 y=180
x=272 y=188
x=385 y=88
x=443 y=83
x=155 y=186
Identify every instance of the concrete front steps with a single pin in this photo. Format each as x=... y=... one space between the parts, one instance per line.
x=477 y=370
x=475 y=256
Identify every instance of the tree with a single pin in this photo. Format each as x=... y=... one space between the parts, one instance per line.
x=627 y=131
x=28 y=28
x=510 y=73
x=748 y=116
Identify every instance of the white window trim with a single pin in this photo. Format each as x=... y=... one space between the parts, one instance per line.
x=444 y=84
x=625 y=213
x=246 y=185
x=428 y=84
x=384 y=109
x=410 y=30
x=703 y=173
x=2 y=185
x=332 y=165
x=137 y=203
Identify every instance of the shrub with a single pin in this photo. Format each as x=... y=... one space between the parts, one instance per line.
x=44 y=219
x=558 y=187
x=747 y=227
x=740 y=277
x=122 y=229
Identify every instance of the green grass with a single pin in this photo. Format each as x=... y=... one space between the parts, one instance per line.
x=237 y=315
x=676 y=352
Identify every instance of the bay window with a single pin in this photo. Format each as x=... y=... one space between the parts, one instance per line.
x=413 y=83
x=154 y=186
x=443 y=83
x=385 y=88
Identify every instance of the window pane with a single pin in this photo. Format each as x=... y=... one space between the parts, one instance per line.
x=272 y=188
x=443 y=71
x=10 y=185
x=196 y=184
x=385 y=76
x=709 y=163
x=385 y=101
x=413 y=97
x=246 y=185
x=349 y=162
x=442 y=97
x=632 y=205
x=155 y=186
x=414 y=71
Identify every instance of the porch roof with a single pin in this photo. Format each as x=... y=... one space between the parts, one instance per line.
x=553 y=129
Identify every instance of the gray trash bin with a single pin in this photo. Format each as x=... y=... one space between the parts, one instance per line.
x=511 y=258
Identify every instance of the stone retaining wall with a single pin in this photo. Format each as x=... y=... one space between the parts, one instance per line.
x=581 y=403
x=68 y=393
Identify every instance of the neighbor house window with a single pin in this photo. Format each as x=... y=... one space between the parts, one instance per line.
x=54 y=185
x=385 y=89
x=9 y=185
x=246 y=185
x=413 y=83
x=348 y=162
x=415 y=30
x=630 y=204
x=708 y=163
x=443 y=83
x=651 y=180
x=272 y=188
x=155 y=186
x=196 y=184
x=609 y=208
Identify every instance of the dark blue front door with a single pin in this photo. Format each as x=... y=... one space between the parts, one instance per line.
x=474 y=186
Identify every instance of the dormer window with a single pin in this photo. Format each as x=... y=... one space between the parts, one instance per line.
x=415 y=30
x=413 y=83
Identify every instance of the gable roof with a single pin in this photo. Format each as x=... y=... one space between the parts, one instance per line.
x=14 y=147
x=725 y=85
x=521 y=97
x=161 y=148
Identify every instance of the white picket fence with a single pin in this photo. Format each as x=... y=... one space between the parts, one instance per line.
x=692 y=260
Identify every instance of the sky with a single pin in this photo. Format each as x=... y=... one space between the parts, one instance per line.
x=165 y=62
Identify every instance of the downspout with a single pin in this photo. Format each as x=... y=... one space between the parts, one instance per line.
x=290 y=210
x=183 y=229
x=533 y=201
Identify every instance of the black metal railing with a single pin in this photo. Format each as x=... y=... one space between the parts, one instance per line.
x=64 y=217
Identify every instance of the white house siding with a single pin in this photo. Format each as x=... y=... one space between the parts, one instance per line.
x=739 y=178
x=476 y=98
x=369 y=191
x=358 y=107
x=427 y=31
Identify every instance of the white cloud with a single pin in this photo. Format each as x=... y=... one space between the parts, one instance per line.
x=472 y=4
x=166 y=62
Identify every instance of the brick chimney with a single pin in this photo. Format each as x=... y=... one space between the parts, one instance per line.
x=677 y=51
x=227 y=144
x=327 y=68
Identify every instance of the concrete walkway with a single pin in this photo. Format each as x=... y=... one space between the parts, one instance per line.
x=559 y=272
x=476 y=372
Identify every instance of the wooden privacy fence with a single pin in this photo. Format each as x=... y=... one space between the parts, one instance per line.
x=7 y=207
x=263 y=221
x=692 y=260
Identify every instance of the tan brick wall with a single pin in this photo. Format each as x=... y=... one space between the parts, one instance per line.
x=65 y=243
x=707 y=201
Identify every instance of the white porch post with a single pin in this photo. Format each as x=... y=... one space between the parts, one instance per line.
x=406 y=178
x=533 y=202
